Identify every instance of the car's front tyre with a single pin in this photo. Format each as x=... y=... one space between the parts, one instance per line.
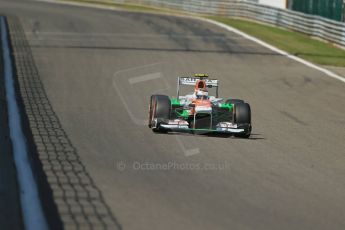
x=159 y=109
x=242 y=117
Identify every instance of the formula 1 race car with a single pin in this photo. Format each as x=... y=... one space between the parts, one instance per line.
x=199 y=112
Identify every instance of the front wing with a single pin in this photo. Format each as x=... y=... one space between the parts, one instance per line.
x=183 y=126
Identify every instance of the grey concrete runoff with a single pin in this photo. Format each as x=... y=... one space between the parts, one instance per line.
x=288 y=175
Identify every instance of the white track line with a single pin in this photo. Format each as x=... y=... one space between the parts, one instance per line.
x=30 y=203
x=144 y=78
x=275 y=49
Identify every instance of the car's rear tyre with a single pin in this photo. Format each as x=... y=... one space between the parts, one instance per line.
x=160 y=109
x=242 y=116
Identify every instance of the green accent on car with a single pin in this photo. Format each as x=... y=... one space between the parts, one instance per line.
x=226 y=106
x=185 y=113
x=175 y=101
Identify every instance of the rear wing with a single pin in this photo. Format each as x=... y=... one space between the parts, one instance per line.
x=210 y=83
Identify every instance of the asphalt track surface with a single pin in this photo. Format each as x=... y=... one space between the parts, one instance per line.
x=99 y=69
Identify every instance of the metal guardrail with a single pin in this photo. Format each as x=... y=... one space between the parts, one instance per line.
x=311 y=25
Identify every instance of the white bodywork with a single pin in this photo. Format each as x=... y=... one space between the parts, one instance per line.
x=186 y=100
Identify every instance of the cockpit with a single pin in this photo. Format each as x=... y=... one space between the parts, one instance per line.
x=202 y=97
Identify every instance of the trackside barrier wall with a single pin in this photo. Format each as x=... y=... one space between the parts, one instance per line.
x=311 y=25
x=332 y=9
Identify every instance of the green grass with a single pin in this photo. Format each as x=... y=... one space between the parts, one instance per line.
x=295 y=43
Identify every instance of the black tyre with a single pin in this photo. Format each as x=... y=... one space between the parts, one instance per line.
x=242 y=113
x=242 y=116
x=151 y=105
x=160 y=108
